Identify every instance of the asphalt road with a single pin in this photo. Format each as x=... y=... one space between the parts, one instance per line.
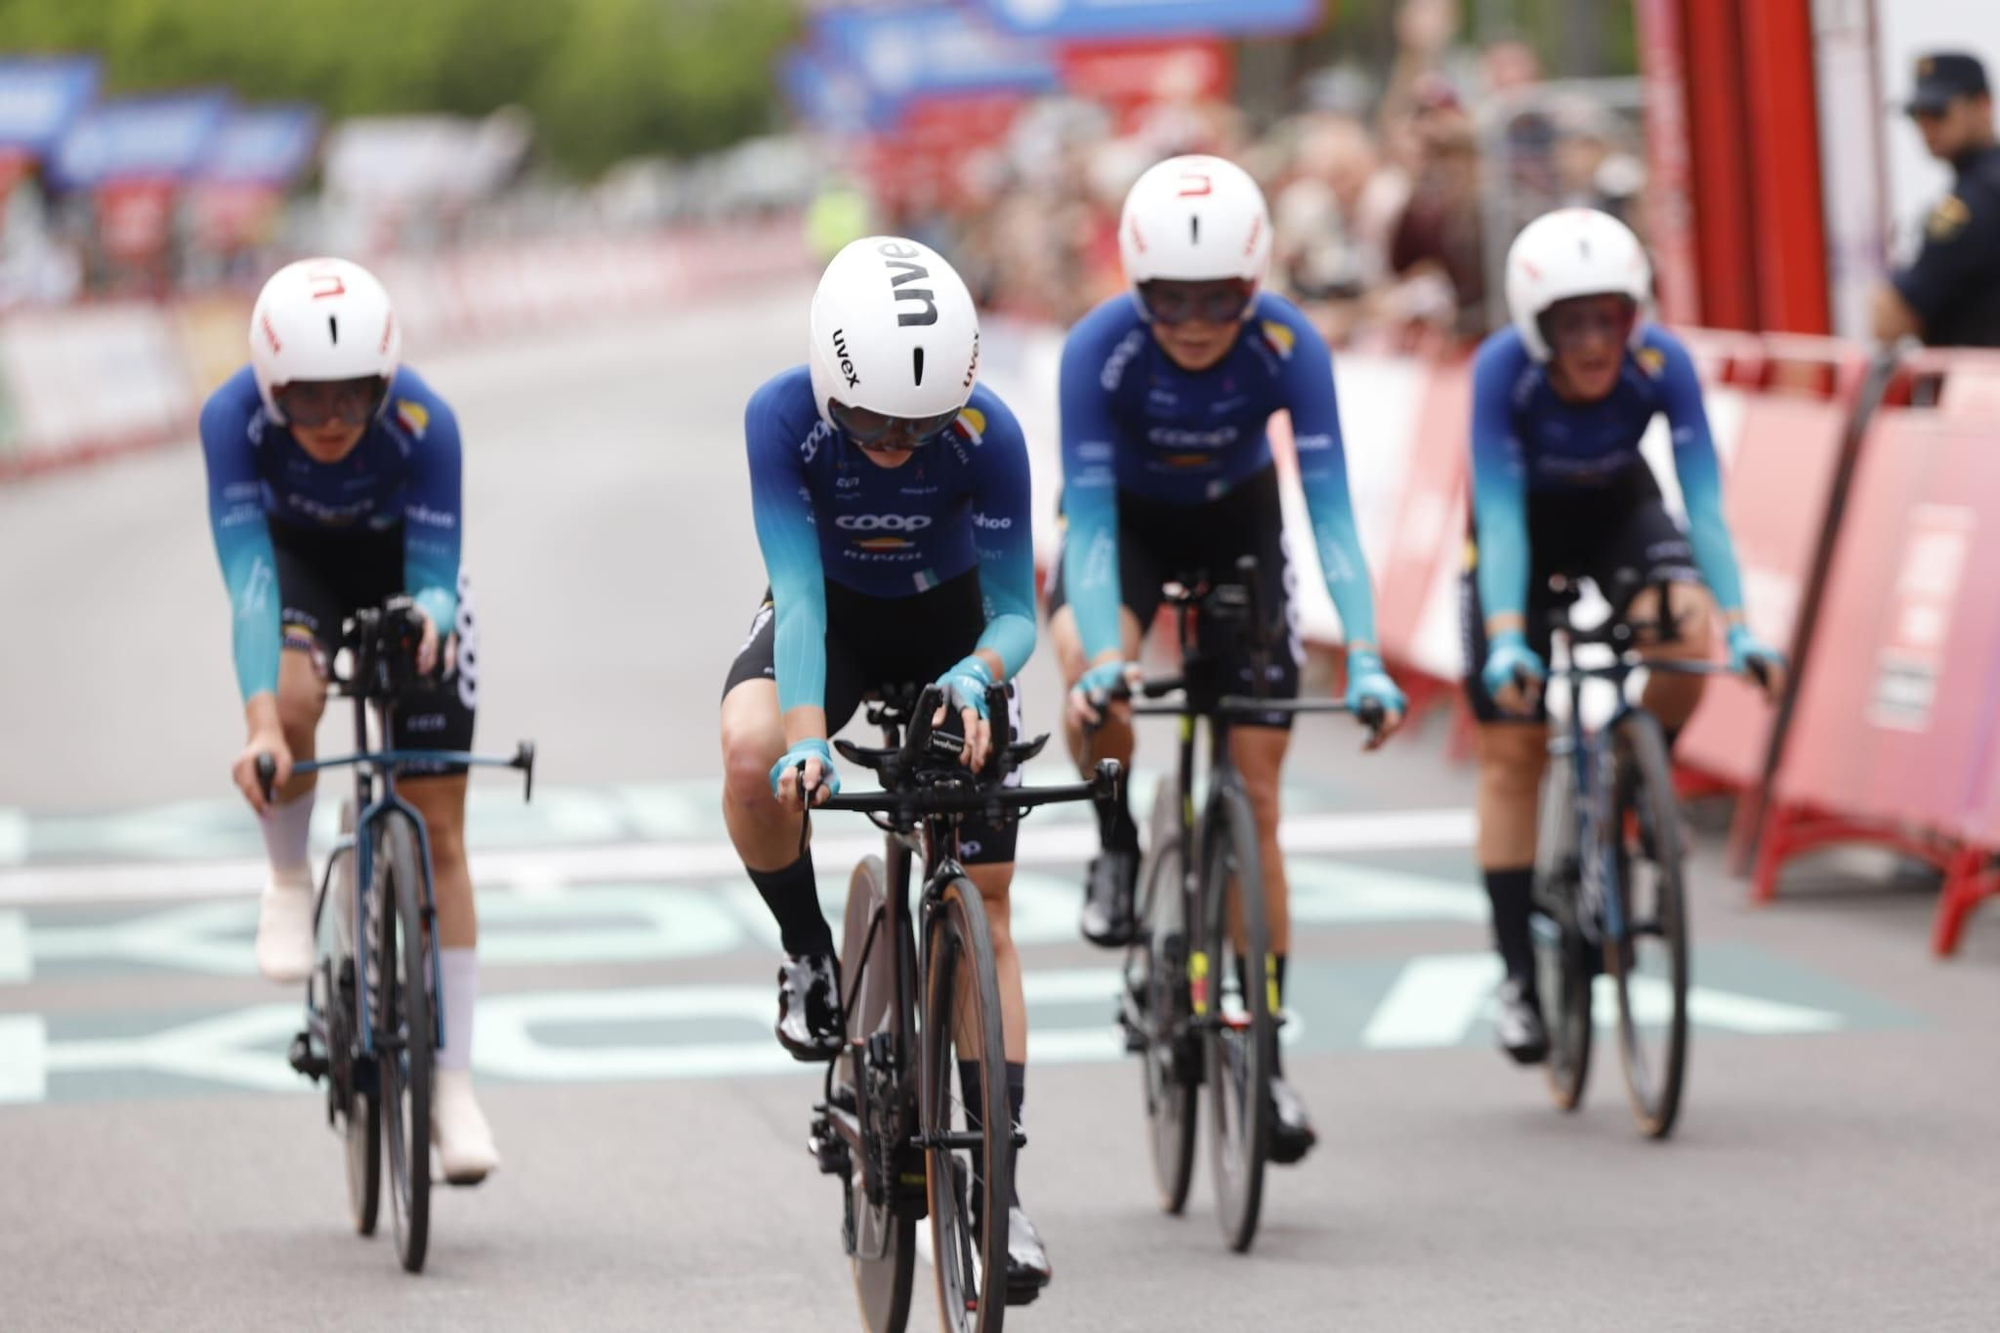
x=160 y=1168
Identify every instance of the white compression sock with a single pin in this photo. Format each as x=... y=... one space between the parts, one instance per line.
x=286 y=829
x=461 y=993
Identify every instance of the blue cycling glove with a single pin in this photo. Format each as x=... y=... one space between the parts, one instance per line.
x=1102 y=681
x=965 y=685
x=1746 y=649
x=829 y=776
x=1367 y=681
x=1508 y=657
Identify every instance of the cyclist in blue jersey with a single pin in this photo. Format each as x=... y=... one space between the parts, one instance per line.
x=1559 y=404
x=333 y=484
x=1167 y=471
x=891 y=499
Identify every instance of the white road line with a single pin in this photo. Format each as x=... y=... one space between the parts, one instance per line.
x=24 y=1041
x=1386 y=830
x=13 y=836
x=17 y=961
x=1434 y=1002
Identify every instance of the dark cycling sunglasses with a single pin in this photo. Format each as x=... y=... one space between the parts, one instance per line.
x=875 y=432
x=316 y=403
x=1583 y=319
x=1169 y=301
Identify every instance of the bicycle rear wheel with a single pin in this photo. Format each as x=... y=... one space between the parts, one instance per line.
x=880 y=1233
x=1650 y=971
x=405 y=1037
x=1157 y=991
x=1231 y=984
x=971 y=1184
x=1563 y=964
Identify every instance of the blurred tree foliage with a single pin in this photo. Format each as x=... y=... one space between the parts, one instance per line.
x=604 y=79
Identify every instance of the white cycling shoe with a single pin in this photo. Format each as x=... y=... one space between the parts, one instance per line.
x=464 y=1153
x=285 y=927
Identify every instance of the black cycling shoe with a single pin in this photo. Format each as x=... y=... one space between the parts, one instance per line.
x=1107 y=903
x=810 y=1024
x=1519 y=1023
x=1028 y=1268
x=1292 y=1135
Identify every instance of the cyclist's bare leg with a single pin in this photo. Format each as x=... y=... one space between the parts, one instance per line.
x=1259 y=755
x=1669 y=697
x=1511 y=758
x=992 y=881
x=301 y=700
x=441 y=801
x=765 y=834
x=1113 y=740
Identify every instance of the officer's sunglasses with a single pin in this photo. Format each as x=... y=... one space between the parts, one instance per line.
x=878 y=433
x=1171 y=301
x=316 y=403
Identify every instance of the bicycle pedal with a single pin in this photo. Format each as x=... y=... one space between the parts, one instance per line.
x=300 y=1056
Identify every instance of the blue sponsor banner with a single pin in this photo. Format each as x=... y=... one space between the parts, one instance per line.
x=39 y=99
x=264 y=145
x=1076 y=19
x=935 y=50
x=833 y=98
x=141 y=138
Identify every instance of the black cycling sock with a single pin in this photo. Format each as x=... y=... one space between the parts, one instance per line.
x=970 y=1088
x=1672 y=734
x=792 y=895
x=1115 y=829
x=1510 y=891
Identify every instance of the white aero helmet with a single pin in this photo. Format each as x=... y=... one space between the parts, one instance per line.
x=1572 y=252
x=321 y=319
x=894 y=334
x=1195 y=218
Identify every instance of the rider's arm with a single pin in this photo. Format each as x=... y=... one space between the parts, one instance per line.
x=1499 y=487
x=433 y=523
x=1090 y=493
x=242 y=543
x=1323 y=476
x=1002 y=516
x=1701 y=479
x=782 y=508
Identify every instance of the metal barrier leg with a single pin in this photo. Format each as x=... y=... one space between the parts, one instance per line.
x=1970 y=878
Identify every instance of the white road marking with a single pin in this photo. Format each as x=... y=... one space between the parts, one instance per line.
x=13 y=836
x=1048 y=845
x=1435 y=1001
x=17 y=963
x=24 y=1041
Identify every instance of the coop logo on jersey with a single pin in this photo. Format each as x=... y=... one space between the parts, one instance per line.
x=1281 y=338
x=416 y=418
x=883 y=532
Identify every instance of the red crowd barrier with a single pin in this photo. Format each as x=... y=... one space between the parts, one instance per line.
x=1893 y=739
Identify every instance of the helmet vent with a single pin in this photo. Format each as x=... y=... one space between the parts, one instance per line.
x=917 y=365
x=1194 y=229
x=333 y=329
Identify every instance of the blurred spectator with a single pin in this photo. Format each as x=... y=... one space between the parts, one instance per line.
x=1950 y=295
x=1438 y=253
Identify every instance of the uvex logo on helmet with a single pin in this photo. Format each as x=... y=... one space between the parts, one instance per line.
x=840 y=354
x=901 y=261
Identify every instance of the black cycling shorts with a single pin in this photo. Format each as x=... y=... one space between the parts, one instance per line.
x=881 y=643
x=1621 y=537
x=325 y=577
x=1159 y=543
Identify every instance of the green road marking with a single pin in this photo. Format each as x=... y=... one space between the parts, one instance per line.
x=717 y=1031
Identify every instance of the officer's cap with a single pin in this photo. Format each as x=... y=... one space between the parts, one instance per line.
x=1942 y=76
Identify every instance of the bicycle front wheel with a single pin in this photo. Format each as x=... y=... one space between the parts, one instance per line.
x=359 y=1107
x=1649 y=967
x=969 y=1153
x=1231 y=985
x=880 y=1226
x=405 y=1037
x=1563 y=962
x=1157 y=997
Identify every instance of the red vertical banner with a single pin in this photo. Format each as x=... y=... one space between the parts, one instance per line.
x=1783 y=124
x=1715 y=118
x=1669 y=193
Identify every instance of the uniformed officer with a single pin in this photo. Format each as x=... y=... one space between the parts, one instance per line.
x=1950 y=297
